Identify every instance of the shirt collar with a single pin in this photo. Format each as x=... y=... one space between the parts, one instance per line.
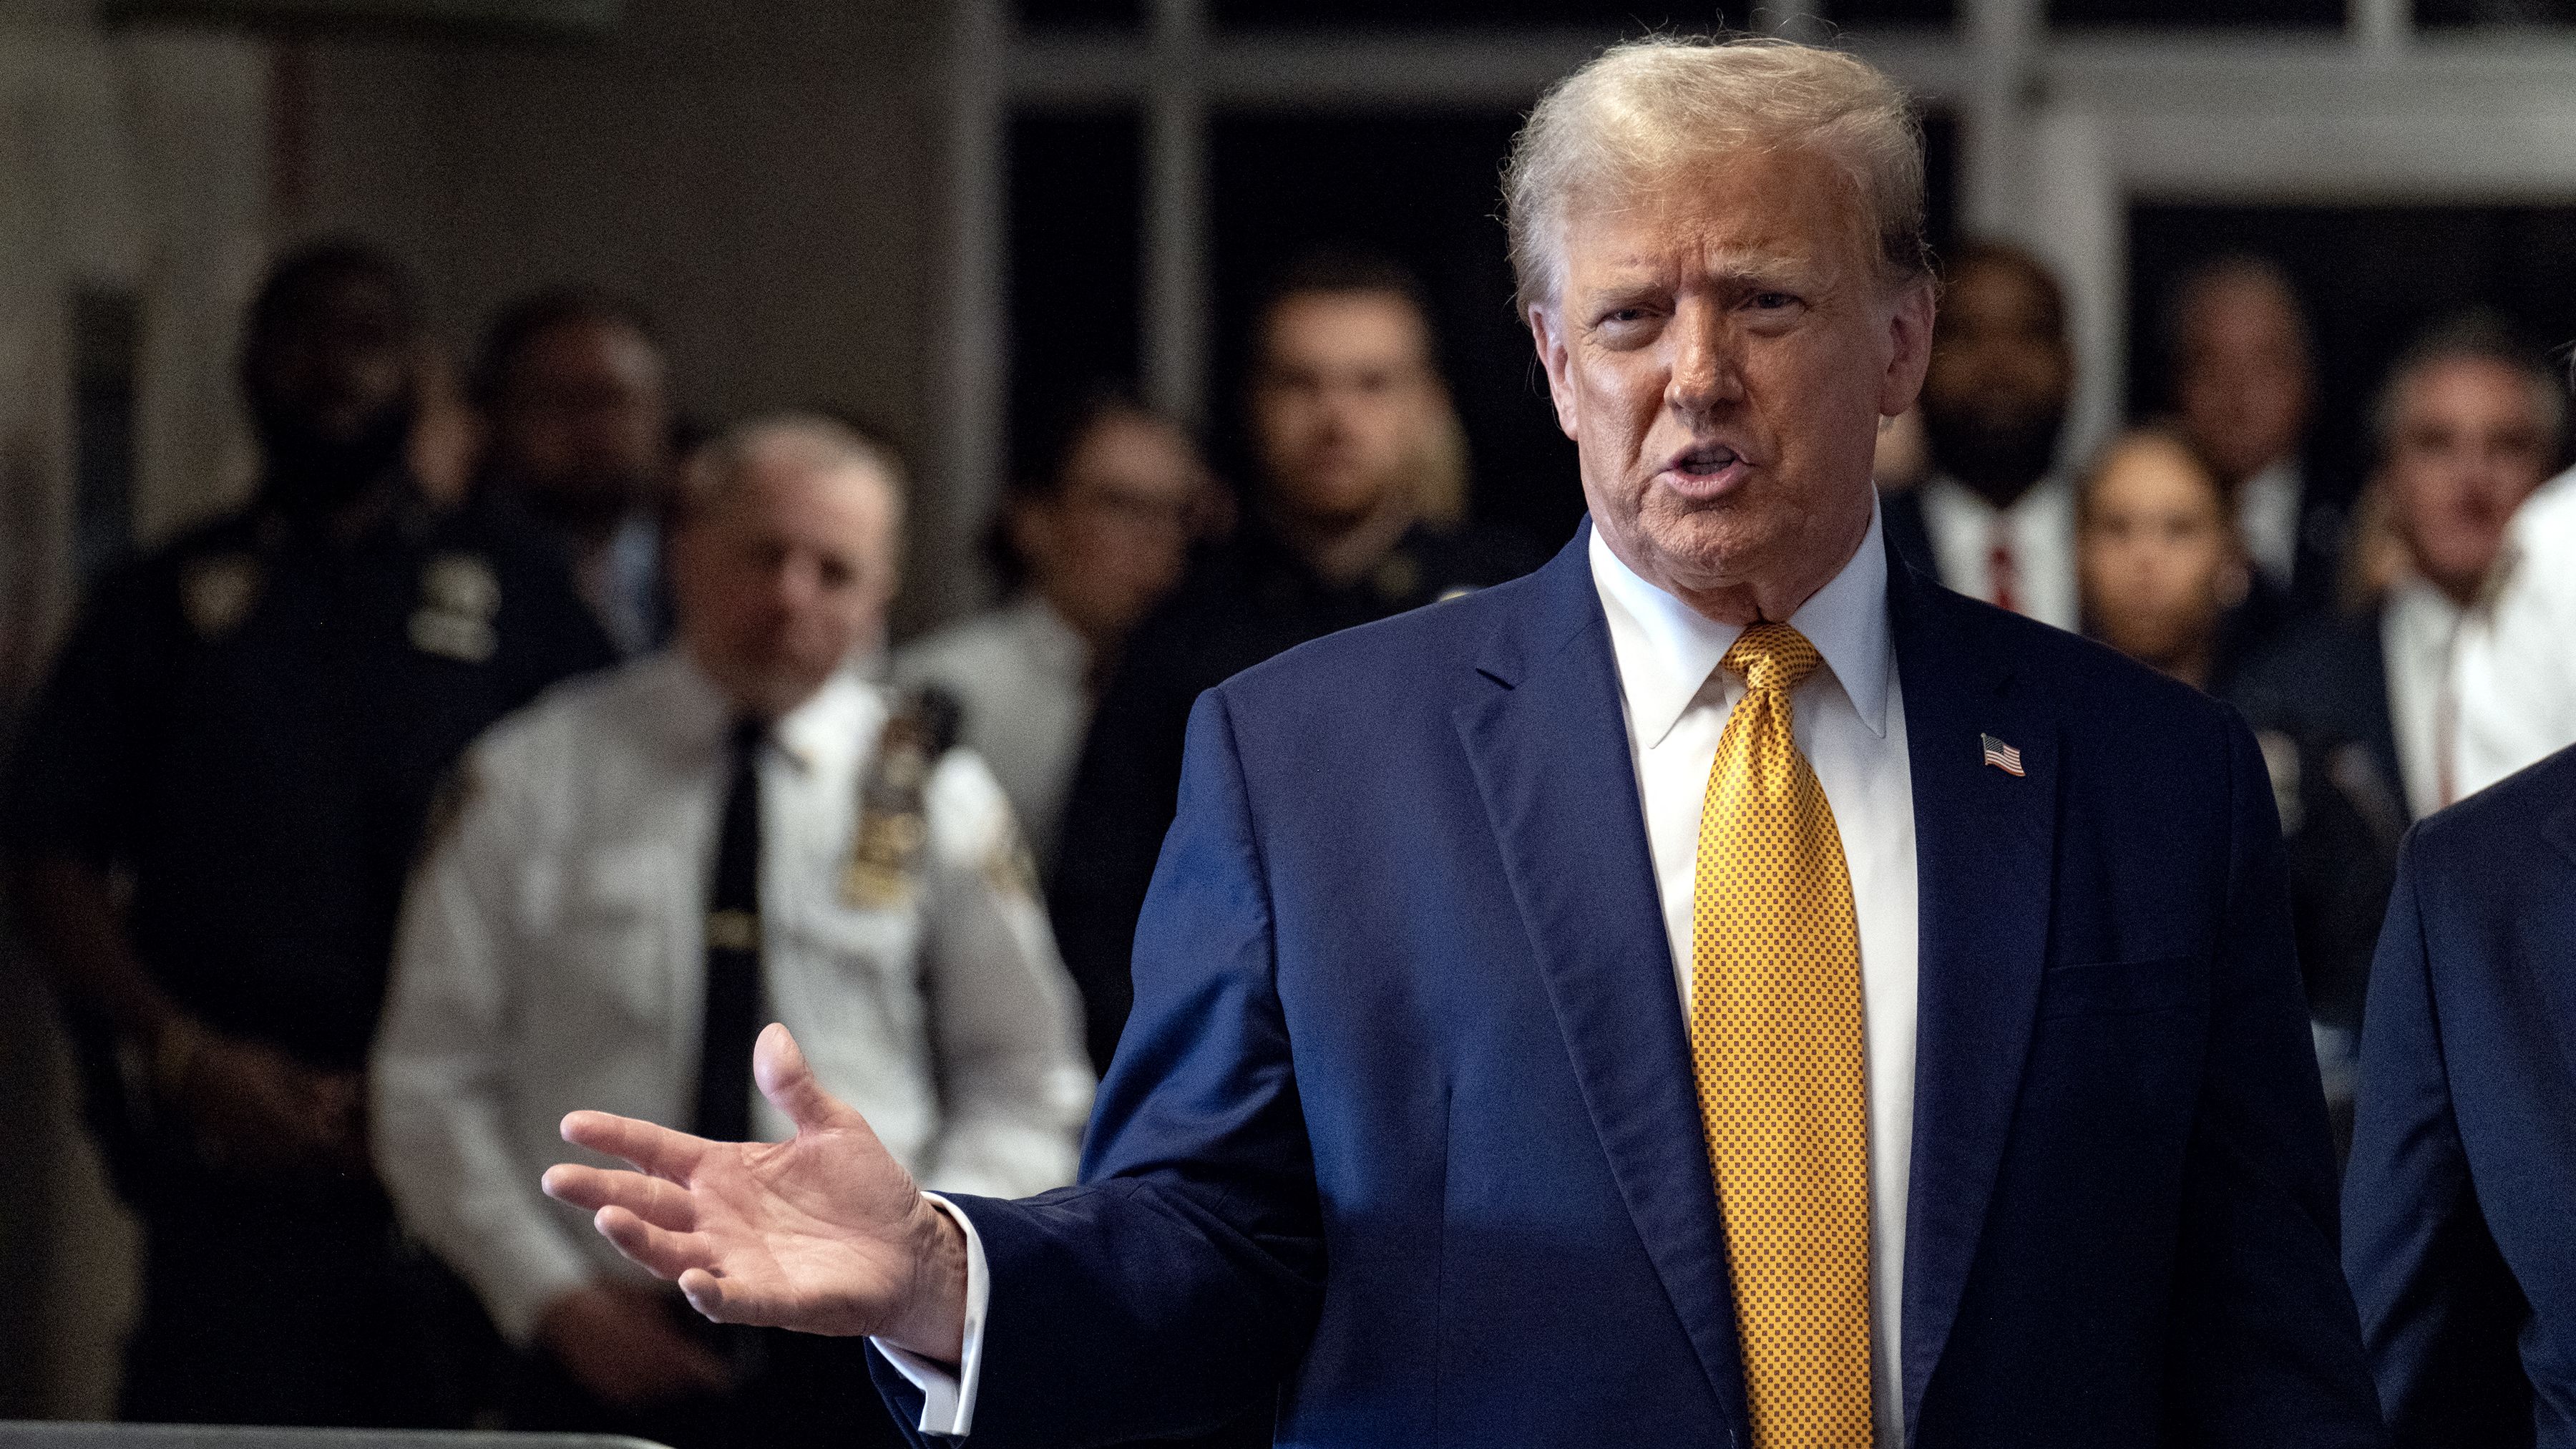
x=2047 y=498
x=1667 y=650
x=811 y=732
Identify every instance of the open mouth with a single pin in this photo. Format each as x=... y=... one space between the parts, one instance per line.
x=1705 y=470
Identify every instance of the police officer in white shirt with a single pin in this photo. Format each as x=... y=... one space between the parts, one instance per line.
x=1996 y=520
x=643 y=868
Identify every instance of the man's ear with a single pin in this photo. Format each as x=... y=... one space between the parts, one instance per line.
x=1910 y=357
x=1555 y=354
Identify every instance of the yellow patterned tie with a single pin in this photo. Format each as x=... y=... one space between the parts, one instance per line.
x=1776 y=1036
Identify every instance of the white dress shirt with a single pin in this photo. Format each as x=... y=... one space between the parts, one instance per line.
x=2516 y=664
x=2038 y=530
x=552 y=956
x=2267 y=519
x=2419 y=627
x=1849 y=719
x=1019 y=671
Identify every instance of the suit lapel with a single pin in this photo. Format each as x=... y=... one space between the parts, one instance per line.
x=1549 y=746
x=1985 y=844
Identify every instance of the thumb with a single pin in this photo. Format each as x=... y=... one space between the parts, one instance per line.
x=778 y=1064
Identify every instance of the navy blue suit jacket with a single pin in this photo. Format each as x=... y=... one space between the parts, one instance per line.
x=2462 y=1191
x=1403 y=1129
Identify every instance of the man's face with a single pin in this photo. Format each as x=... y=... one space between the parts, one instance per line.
x=1995 y=398
x=1721 y=353
x=1110 y=543
x=2154 y=555
x=2243 y=382
x=583 y=421
x=337 y=370
x=1344 y=401
x=2468 y=444
x=783 y=576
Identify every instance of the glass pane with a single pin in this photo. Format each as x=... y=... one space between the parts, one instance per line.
x=1076 y=203
x=1037 y=14
x=2495 y=12
x=2175 y=14
x=105 y=329
x=2371 y=278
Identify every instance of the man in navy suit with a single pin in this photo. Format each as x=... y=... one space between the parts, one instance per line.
x=1447 y=1003
x=2464 y=1152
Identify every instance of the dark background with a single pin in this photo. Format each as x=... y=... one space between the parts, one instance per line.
x=2373 y=277
x=1421 y=187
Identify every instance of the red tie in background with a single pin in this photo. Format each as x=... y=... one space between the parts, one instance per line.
x=2002 y=578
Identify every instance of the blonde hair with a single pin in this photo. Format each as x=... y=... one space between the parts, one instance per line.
x=1648 y=112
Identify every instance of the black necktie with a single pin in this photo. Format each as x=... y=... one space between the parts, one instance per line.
x=733 y=950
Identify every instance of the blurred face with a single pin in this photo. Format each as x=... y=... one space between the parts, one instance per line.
x=1995 y=397
x=783 y=577
x=583 y=424
x=1343 y=402
x=2243 y=383
x=1112 y=540
x=337 y=370
x=1721 y=353
x=2469 y=442
x=2155 y=556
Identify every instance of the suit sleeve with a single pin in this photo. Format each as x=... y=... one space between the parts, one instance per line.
x=2439 y=1309
x=1172 y=1291
x=2265 y=1345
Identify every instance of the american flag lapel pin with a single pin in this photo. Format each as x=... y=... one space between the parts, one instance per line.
x=2002 y=756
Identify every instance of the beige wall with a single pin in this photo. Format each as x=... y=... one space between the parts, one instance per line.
x=763 y=176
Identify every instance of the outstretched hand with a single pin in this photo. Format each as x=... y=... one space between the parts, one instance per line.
x=823 y=1233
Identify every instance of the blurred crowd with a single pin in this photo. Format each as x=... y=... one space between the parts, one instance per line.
x=519 y=747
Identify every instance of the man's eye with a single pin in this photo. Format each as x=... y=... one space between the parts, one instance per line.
x=1773 y=301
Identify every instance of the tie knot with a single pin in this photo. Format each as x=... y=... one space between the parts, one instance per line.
x=1772 y=656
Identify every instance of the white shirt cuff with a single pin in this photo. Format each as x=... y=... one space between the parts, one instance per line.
x=948 y=1400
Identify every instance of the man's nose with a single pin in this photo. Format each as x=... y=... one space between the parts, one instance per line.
x=1707 y=368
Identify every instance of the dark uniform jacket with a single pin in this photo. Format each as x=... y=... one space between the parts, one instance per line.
x=1241 y=603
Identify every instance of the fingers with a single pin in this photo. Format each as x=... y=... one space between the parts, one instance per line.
x=778 y=1064
x=666 y=1253
x=663 y=1204
x=706 y=1293
x=658 y=1150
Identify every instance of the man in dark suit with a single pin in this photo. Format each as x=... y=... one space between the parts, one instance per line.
x=1719 y=990
x=2351 y=709
x=2464 y=1156
x=2244 y=379
x=1996 y=518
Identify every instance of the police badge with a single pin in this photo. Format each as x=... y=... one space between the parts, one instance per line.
x=459 y=597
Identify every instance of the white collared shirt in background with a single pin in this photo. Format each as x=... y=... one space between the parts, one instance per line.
x=1849 y=720
x=2419 y=626
x=2267 y=519
x=1020 y=674
x=552 y=956
x=2516 y=665
x=2039 y=528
